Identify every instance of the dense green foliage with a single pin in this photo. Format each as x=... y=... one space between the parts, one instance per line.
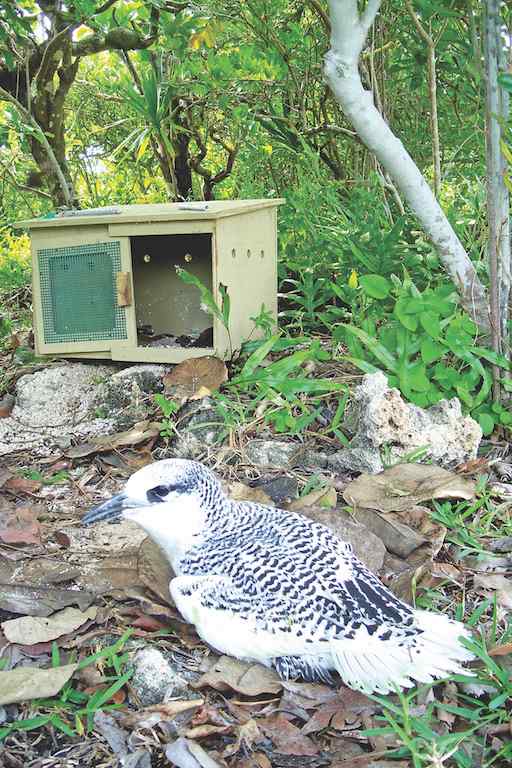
x=228 y=100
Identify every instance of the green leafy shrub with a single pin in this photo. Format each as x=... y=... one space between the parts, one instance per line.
x=14 y=262
x=426 y=345
x=325 y=234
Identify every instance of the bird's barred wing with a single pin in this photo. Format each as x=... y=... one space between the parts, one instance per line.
x=317 y=595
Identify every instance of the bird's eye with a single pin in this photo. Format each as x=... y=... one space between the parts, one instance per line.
x=158 y=493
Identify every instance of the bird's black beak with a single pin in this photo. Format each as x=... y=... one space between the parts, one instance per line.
x=109 y=510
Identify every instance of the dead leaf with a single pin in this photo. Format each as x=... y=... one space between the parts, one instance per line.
x=18 y=484
x=43 y=571
x=473 y=466
x=5 y=475
x=29 y=630
x=398 y=537
x=109 y=729
x=154 y=570
x=62 y=539
x=184 y=753
x=248 y=734
x=286 y=737
x=202 y=731
x=26 y=683
x=148 y=623
x=442 y=572
x=249 y=679
x=143 y=430
x=6 y=405
x=494 y=582
x=310 y=695
x=450 y=699
x=40 y=601
x=195 y=378
x=322 y=497
x=501 y=650
x=157 y=713
x=242 y=492
x=405 y=485
x=18 y=524
x=501 y=545
x=345 y=707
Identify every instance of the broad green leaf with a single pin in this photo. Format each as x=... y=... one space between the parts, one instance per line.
x=376 y=286
x=257 y=357
x=415 y=378
x=492 y=357
x=408 y=320
x=465 y=395
x=431 y=350
x=377 y=349
x=505 y=80
x=430 y=323
x=363 y=365
x=486 y=421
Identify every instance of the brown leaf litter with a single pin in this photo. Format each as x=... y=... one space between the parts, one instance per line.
x=140 y=432
x=195 y=378
x=228 y=674
x=29 y=630
x=19 y=523
x=25 y=683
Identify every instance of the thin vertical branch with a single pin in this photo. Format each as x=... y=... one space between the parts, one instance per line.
x=495 y=181
x=432 y=92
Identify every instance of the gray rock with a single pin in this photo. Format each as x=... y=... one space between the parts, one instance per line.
x=154 y=678
x=273 y=453
x=127 y=393
x=314 y=459
x=378 y=418
x=74 y=402
x=199 y=426
x=366 y=545
x=280 y=489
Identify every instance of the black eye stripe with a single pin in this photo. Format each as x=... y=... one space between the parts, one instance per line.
x=158 y=493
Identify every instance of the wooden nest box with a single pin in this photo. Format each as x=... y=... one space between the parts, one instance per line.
x=106 y=284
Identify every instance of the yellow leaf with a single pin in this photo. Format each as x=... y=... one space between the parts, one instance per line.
x=195 y=41
x=353 y=282
x=205 y=37
x=82 y=31
x=268 y=149
x=143 y=145
x=208 y=37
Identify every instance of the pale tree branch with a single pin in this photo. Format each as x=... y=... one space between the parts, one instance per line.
x=342 y=73
x=369 y=14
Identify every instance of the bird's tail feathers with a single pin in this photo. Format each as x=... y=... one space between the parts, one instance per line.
x=370 y=664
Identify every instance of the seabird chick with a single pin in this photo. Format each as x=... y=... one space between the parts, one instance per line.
x=271 y=586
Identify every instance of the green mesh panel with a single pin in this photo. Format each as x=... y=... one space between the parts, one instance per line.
x=78 y=293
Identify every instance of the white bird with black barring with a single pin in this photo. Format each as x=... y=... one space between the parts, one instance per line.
x=271 y=586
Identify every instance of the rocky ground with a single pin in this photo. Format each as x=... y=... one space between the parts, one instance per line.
x=100 y=657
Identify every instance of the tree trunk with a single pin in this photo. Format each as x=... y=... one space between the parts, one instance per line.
x=434 y=122
x=349 y=31
x=497 y=193
x=182 y=169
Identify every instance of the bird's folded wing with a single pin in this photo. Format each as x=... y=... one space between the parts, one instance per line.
x=289 y=591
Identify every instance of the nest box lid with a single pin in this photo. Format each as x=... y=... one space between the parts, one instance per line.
x=188 y=211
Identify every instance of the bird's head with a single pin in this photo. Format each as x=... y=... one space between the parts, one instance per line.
x=171 y=499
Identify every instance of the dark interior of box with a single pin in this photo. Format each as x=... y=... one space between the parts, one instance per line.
x=168 y=311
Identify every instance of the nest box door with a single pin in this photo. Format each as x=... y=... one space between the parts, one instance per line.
x=84 y=296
